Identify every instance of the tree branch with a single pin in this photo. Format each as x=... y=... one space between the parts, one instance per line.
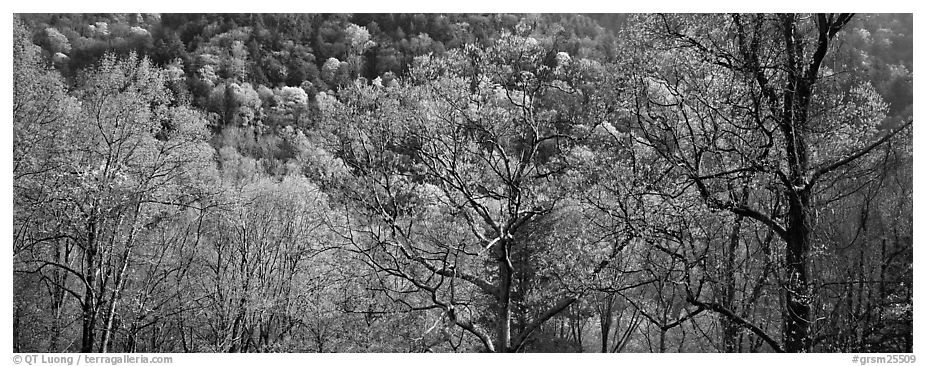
x=478 y=282
x=739 y=209
x=717 y=308
x=556 y=309
x=470 y=327
x=848 y=159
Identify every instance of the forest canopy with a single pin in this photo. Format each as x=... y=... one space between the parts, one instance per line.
x=462 y=182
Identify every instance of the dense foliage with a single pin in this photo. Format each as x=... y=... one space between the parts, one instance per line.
x=462 y=183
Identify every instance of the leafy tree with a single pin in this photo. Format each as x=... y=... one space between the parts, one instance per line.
x=126 y=156
x=447 y=180
x=753 y=107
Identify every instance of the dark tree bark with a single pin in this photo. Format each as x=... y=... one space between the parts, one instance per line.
x=605 y=308
x=729 y=329
x=88 y=306
x=503 y=306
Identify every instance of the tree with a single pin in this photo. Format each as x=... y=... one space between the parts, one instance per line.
x=43 y=115
x=125 y=158
x=754 y=105
x=448 y=176
x=258 y=270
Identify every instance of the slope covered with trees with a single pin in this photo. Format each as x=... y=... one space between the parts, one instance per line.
x=462 y=183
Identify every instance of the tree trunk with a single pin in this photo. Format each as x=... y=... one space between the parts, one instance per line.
x=88 y=307
x=605 y=321
x=797 y=293
x=120 y=283
x=580 y=327
x=798 y=94
x=58 y=293
x=16 y=316
x=503 y=307
x=662 y=340
x=729 y=328
x=111 y=311
x=237 y=331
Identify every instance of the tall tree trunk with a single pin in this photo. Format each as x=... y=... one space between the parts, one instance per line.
x=863 y=310
x=802 y=74
x=797 y=292
x=797 y=96
x=662 y=340
x=580 y=327
x=57 y=303
x=16 y=316
x=503 y=307
x=120 y=283
x=114 y=297
x=729 y=328
x=882 y=295
x=88 y=307
x=604 y=314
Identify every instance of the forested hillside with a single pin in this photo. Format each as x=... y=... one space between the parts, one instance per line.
x=462 y=183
